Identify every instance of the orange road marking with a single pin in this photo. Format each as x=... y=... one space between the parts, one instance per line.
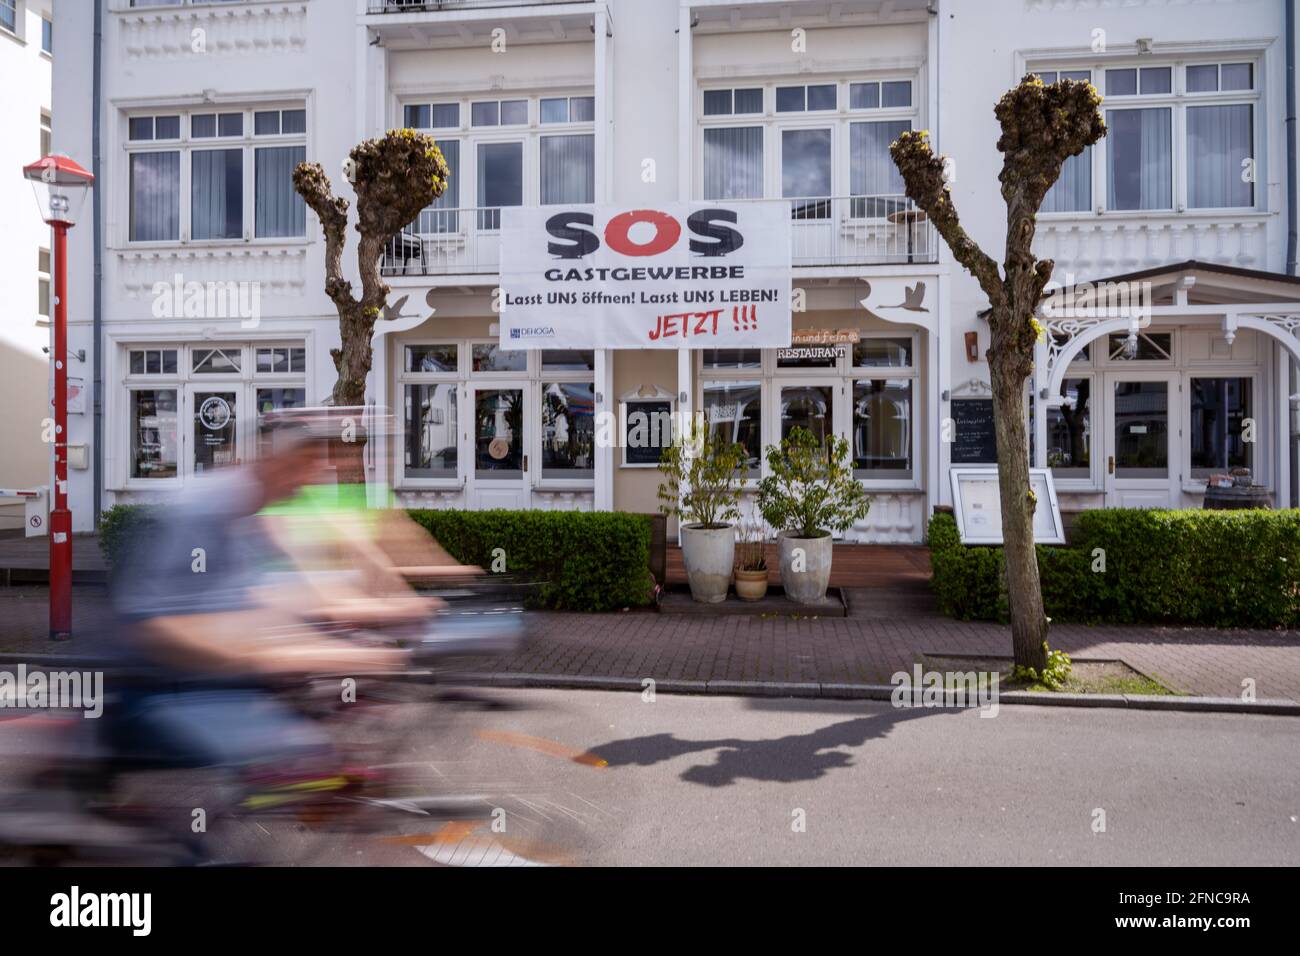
x=542 y=745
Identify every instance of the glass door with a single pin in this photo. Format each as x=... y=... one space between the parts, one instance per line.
x=213 y=412
x=498 y=457
x=1141 y=433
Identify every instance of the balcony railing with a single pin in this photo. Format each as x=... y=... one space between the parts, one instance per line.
x=826 y=231
x=437 y=6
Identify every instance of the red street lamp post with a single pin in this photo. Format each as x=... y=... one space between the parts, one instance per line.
x=61 y=186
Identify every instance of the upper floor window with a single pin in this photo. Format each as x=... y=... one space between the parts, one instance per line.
x=216 y=174
x=47 y=132
x=827 y=140
x=500 y=158
x=806 y=99
x=9 y=15
x=1072 y=191
x=1179 y=136
x=733 y=102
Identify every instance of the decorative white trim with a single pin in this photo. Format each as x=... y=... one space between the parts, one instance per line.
x=225 y=30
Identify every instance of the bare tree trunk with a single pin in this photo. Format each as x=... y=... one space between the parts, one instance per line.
x=1024 y=596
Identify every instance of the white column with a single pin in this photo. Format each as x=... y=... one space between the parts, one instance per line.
x=685 y=102
x=940 y=371
x=604 y=100
x=1282 y=431
x=605 y=406
x=1038 y=381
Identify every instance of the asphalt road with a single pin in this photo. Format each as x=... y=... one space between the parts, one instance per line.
x=609 y=778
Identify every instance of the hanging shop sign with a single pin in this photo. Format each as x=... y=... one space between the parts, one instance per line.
x=825 y=337
x=671 y=277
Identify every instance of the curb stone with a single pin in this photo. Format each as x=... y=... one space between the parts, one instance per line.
x=882 y=692
x=804 y=689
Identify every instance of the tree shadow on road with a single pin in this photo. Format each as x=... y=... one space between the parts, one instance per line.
x=786 y=759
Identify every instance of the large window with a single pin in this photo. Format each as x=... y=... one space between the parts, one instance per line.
x=882 y=408
x=497 y=159
x=1069 y=430
x=808 y=143
x=9 y=15
x=733 y=162
x=865 y=393
x=733 y=412
x=1219 y=409
x=806 y=171
x=1178 y=137
x=234 y=169
x=195 y=408
x=519 y=407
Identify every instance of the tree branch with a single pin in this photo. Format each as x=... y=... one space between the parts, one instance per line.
x=927 y=186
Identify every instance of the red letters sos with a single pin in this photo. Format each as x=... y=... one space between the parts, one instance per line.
x=713 y=233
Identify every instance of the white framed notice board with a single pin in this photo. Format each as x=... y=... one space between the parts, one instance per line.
x=977 y=506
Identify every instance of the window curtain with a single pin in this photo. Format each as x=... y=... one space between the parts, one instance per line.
x=872 y=173
x=733 y=163
x=217 y=194
x=1218 y=142
x=1140 y=145
x=440 y=215
x=155 y=196
x=280 y=210
x=568 y=169
x=1072 y=191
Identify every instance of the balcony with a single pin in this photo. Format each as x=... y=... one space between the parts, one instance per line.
x=439 y=6
x=826 y=232
x=451 y=24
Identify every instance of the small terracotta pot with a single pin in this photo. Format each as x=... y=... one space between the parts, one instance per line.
x=751 y=585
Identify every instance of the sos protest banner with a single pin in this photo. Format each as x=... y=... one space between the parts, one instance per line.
x=676 y=276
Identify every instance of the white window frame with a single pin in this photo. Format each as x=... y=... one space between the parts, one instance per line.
x=841 y=375
x=471 y=137
x=186 y=144
x=774 y=124
x=533 y=379
x=245 y=383
x=1178 y=100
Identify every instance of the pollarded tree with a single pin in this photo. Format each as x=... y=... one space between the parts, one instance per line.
x=394 y=177
x=1042 y=126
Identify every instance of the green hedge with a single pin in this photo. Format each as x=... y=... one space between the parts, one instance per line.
x=119 y=527
x=584 y=561
x=1213 y=568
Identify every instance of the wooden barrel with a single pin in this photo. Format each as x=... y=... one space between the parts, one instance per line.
x=1237 y=498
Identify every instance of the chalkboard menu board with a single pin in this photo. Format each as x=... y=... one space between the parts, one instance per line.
x=973 y=438
x=647 y=430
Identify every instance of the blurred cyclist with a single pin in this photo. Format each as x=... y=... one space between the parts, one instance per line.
x=220 y=612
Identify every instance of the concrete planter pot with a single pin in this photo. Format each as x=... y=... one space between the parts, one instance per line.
x=805 y=567
x=751 y=585
x=709 y=555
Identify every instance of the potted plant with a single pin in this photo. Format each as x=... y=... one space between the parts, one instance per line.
x=809 y=494
x=701 y=488
x=751 y=563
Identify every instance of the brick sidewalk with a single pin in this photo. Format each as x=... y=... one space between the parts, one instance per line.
x=858 y=649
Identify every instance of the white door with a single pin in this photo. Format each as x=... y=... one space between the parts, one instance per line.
x=1141 y=438
x=212 y=432
x=497 y=433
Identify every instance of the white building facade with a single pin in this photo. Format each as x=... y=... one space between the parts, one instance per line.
x=26 y=58
x=211 y=309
